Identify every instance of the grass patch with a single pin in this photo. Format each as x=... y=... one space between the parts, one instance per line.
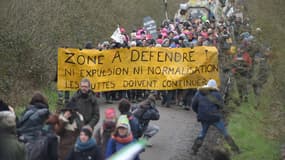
x=52 y=98
x=247 y=128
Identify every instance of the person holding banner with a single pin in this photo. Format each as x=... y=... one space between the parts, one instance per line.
x=86 y=101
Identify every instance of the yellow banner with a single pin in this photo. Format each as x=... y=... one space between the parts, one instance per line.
x=149 y=68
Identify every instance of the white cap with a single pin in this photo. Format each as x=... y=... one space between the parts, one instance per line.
x=133 y=43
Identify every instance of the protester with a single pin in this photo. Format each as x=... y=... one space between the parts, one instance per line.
x=85 y=147
x=39 y=143
x=86 y=101
x=207 y=103
x=189 y=93
x=242 y=64
x=124 y=108
x=166 y=98
x=121 y=137
x=10 y=147
x=145 y=112
x=68 y=128
x=34 y=117
x=260 y=74
x=103 y=133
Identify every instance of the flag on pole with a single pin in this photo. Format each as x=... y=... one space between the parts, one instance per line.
x=130 y=151
x=117 y=36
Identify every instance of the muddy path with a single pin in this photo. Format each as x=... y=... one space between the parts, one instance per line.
x=178 y=129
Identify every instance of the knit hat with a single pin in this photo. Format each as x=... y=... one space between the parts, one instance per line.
x=123 y=121
x=148 y=36
x=212 y=84
x=87 y=131
x=122 y=30
x=123 y=125
x=133 y=43
x=110 y=113
x=203 y=18
x=164 y=30
x=158 y=45
x=159 y=41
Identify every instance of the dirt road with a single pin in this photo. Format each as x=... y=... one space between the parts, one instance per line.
x=178 y=129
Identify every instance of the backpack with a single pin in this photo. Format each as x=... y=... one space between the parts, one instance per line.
x=144 y=115
x=136 y=126
x=37 y=148
x=138 y=111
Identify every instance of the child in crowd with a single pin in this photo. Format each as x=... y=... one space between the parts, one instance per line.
x=85 y=147
x=103 y=133
x=121 y=137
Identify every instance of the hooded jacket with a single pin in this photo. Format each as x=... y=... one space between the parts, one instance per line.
x=207 y=103
x=10 y=147
x=32 y=119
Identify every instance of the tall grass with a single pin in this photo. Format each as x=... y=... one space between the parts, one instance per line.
x=247 y=129
x=257 y=129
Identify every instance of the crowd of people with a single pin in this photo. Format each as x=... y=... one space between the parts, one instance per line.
x=69 y=133
x=241 y=56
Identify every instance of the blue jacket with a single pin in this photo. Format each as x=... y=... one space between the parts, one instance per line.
x=206 y=103
x=114 y=146
x=32 y=119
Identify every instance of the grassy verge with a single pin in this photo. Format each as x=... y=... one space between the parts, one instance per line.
x=52 y=98
x=247 y=129
x=257 y=129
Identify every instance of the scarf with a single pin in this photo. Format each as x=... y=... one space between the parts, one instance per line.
x=80 y=146
x=126 y=139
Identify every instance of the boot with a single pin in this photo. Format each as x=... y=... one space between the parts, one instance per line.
x=197 y=144
x=232 y=144
x=148 y=144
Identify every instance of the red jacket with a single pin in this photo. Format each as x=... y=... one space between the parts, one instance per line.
x=242 y=63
